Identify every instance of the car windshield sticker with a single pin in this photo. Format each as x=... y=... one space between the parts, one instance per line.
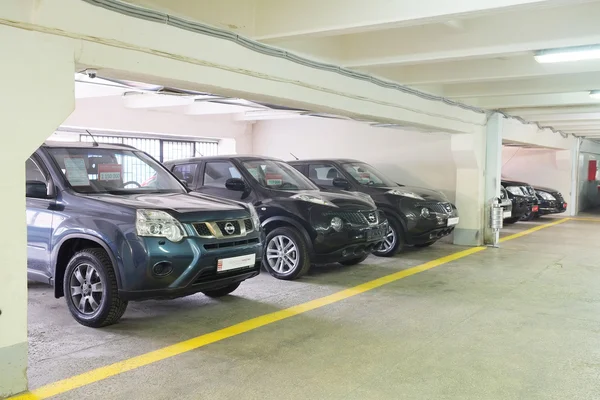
x=109 y=172
x=76 y=171
x=274 y=179
x=364 y=177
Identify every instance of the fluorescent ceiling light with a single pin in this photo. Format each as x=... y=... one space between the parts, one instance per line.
x=595 y=94
x=568 y=54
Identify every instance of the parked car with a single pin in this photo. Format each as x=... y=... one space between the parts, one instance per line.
x=302 y=224
x=522 y=202
x=416 y=216
x=551 y=201
x=505 y=203
x=102 y=239
x=530 y=192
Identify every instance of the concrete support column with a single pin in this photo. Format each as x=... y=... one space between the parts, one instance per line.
x=37 y=97
x=468 y=151
x=492 y=172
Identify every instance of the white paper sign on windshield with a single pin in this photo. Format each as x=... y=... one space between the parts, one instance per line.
x=77 y=174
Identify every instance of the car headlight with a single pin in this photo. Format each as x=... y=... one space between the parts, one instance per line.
x=546 y=196
x=396 y=192
x=156 y=223
x=337 y=224
x=425 y=213
x=254 y=214
x=313 y=199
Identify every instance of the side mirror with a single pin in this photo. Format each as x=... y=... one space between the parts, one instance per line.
x=37 y=189
x=236 y=184
x=341 y=183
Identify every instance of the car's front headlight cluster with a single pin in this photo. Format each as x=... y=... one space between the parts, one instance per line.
x=546 y=196
x=337 y=224
x=313 y=199
x=397 y=192
x=254 y=214
x=425 y=213
x=156 y=223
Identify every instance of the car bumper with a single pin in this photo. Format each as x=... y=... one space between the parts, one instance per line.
x=552 y=207
x=352 y=243
x=191 y=266
x=431 y=229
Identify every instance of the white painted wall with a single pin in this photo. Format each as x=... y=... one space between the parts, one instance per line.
x=411 y=158
x=541 y=167
x=108 y=113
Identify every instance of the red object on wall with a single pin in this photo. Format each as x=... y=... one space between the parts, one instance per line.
x=592 y=170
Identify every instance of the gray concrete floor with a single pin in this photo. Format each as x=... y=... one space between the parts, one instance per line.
x=519 y=322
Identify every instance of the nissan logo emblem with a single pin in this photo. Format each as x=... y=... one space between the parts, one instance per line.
x=372 y=217
x=229 y=228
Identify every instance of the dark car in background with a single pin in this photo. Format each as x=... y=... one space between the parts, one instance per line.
x=102 y=238
x=505 y=203
x=523 y=203
x=416 y=216
x=551 y=201
x=303 y=225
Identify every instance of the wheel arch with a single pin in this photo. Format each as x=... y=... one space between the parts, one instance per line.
x=281 y=221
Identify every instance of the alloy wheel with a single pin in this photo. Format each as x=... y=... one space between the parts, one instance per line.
x=87 y=289
x=389 y=241
x=282 y=255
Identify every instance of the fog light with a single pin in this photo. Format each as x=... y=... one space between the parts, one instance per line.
x=162 y=268
x=337 y=224
x=425 y=212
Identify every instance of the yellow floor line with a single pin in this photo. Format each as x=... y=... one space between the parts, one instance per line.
x=537 y=228
x=99 y=374
x=589 y=219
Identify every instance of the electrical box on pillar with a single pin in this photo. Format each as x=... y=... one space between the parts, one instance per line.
x=496 y=220
x=592 y=170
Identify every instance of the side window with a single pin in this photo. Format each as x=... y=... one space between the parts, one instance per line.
x=185 y=172
x=323 y=174
x=216 y=173
x=33 y=172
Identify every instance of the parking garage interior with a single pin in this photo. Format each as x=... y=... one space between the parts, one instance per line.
x=483 y=313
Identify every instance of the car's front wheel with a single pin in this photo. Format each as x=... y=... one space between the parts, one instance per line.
x=393 y=241
x=224 y=291
x=90 y=287
x=286 y=255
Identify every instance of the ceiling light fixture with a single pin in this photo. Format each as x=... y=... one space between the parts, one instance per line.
x=568 y=54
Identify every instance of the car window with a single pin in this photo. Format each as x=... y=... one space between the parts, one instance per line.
x=114 y=171
x=278 y=175
x=367 y=175
x=185 y=172
x=216 y=173
x=33 y=172
x=323 y=174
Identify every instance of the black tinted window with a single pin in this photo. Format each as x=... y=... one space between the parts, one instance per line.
x=216 y=173
x=185 y=172
x=323 y=174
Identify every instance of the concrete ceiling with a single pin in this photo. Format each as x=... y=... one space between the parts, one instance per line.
x=479 y=52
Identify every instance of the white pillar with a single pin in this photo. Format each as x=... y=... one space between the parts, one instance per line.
x=468 y=151
x=37 y=97
x=492 y=172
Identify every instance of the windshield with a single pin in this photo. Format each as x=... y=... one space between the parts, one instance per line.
x=367 y=175
x=516 y=190
x=277 y=175
x=96 y=170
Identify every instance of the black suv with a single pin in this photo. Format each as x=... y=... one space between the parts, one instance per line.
x=103 y=233
x=302 y=224
x=416 y=216
x=524 y=201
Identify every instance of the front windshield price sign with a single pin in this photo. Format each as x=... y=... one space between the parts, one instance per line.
x=274 y=180
x=109 y=172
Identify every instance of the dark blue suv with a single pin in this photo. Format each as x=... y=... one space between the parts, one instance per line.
x=107 y=224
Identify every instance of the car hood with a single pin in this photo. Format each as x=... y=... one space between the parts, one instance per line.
x=427 y=194
x=183 y=205
x=345 y=200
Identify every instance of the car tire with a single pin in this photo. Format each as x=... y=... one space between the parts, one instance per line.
x=91 y=291
x=354 y=261
x=224 y=291
x=395 y=243
x=510 y=221
x=422 y=245
x=278 y=263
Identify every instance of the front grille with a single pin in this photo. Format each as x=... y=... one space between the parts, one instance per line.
x=438 y=208
x=360 y=218
x=248 y=225
x=214 y=246
x=203 y=230
x=229 y=228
